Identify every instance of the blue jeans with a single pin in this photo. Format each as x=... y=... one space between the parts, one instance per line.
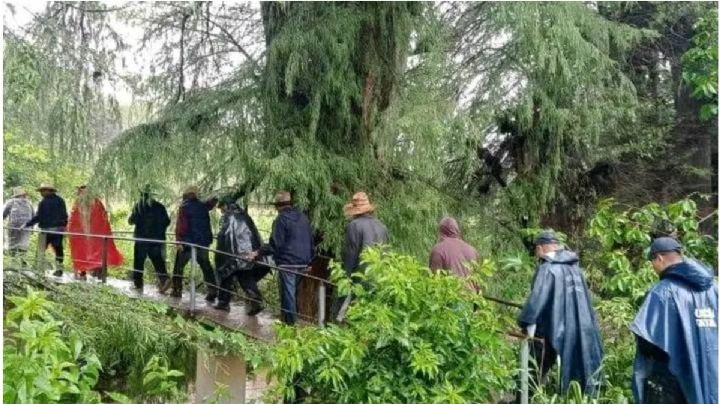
x=289 y=282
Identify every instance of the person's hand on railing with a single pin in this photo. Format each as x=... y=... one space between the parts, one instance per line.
x=179 y=247
x=252 y=255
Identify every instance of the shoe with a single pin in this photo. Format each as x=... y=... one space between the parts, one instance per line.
x=176 y=293
x=58 y=272
x=210 y=297
x=164 y=286
x=254 y=309
x=138 y=286
x=222 y=306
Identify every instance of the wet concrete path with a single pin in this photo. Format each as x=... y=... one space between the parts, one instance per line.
x=259 y=327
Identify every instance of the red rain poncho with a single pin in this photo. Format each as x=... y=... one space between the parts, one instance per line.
x=86 y=251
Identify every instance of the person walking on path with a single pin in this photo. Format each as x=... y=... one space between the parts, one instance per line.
x=292 y=249
x=51 y=215
x=363 y=231
x=89 y=217
x=676 y=331
x=238 y=236
x=151 y=221
x=18 y=211
x=193 y=226
x=453 y=254
x=559 y=305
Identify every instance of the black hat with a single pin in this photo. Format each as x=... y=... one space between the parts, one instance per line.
x=546 y=237
x=663 y=244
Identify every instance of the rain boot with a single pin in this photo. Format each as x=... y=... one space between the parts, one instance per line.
x=256 y=303
x=176 y=287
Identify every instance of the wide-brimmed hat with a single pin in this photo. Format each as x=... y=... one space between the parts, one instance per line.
x=192 y=189
x=359 y=205
x=46 y=186
x=17 y=191
x=282 y=198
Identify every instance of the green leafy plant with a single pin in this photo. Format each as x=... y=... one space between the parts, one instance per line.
x=411 y=336
x=40 y=363
x=700 y=63
x=219 y=341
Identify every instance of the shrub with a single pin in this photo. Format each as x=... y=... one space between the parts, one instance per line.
x=40 y=364
x=411 y=336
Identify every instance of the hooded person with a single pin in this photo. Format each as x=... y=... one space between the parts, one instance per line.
x=88 y=217
x=151 y=221
x=364 y=230
x=51 y=215
x=238 y=236
x=193 y=226
x=18 y=211
x=676 y=331
x=292 y=248
x=452 y=253
x=560 y=307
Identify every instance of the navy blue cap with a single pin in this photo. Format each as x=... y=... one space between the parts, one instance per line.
x=663 y=244
x=546 y=237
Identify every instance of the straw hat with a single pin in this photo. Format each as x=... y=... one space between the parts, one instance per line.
x=46 y=186
x=359 y=205
x=18 y=191
x=283 y=198
x=192 y=189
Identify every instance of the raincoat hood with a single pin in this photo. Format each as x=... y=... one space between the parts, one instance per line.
x=561 y=257
x=448 y=228
x=691 y=273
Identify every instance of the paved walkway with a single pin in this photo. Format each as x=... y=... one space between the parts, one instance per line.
x=258 y=327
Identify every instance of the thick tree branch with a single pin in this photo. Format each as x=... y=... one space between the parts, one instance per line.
x=181 y=81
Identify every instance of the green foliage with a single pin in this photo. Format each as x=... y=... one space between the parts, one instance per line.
x=616 y=265
x=28 y=164
x=41 y=363
x=161 y=383
x=620 y=267
x=221 y=342
x=53 y=105
x=411 y=337
x=700 y=64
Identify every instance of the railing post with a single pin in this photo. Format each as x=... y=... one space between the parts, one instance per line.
x=525 y=365
x=40 y=257
x=193 y=263
x=321 y=303
x=104 y=263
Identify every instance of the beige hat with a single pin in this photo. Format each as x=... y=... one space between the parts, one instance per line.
x=46 y=186
x=192 y=189
x=18 y=191
x=359 y=205
x=282 y=198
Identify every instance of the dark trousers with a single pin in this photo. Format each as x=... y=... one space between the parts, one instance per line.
x=141 y=252
x=289 y=281
x=183 y=257
x=545 y=357
x=248 y=280
x=56 y=242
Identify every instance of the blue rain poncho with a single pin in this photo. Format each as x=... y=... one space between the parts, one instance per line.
x=560 y=306
x=679 y=317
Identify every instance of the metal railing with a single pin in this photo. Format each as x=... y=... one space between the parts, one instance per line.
x=321 y=293
x=103 y=266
